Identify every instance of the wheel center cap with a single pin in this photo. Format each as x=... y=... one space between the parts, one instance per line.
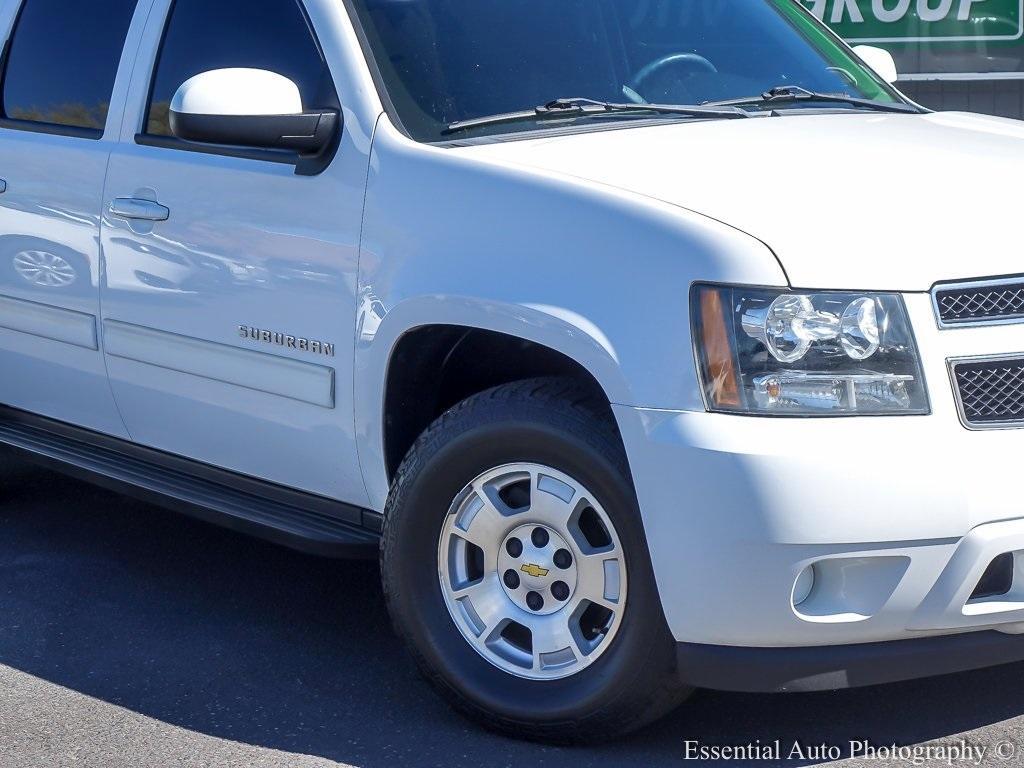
x=537 y=569
x=534 y=570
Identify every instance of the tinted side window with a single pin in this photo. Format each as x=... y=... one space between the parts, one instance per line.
x=63 y=59
x=259 y=34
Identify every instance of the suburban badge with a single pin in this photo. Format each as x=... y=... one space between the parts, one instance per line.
x=286 y=340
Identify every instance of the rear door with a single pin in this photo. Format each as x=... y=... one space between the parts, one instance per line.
x=56 y=129
x=228 y=315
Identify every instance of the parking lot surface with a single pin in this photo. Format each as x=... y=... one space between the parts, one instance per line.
x=131 y=636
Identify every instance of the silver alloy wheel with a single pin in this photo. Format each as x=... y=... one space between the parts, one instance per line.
x=532 y=571
x=44 y=269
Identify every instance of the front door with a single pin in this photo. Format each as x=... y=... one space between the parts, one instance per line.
x=229 y=299
x=61 y=67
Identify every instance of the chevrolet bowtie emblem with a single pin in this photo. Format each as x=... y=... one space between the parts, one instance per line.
x=534 y=570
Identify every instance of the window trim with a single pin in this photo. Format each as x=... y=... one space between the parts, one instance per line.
x=37 y=126
x=304 y=166
x=51 y=129
x=150 y=91
x=375 y=72
x=281 y=157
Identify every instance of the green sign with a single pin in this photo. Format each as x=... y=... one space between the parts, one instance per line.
x=915 y=21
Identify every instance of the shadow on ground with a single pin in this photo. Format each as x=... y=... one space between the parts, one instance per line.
x=234 y=638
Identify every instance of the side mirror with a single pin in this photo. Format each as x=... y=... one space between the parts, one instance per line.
x=879 y=60
x=249 y=108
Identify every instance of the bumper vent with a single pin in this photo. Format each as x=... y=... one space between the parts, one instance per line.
x=990 y=393
x=980 y=303
x=998 y=578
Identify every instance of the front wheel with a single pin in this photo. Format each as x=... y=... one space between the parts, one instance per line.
x=516 y=569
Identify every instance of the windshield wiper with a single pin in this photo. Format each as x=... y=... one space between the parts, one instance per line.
x=794 y=93
x=578 y=107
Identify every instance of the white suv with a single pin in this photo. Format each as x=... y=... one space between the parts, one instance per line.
x=655 y=343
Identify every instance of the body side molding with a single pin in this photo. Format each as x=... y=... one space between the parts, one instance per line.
x=48 y=322
x=295 y=519
x=273 y=374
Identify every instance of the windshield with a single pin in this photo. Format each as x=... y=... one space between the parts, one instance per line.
x=445 y=61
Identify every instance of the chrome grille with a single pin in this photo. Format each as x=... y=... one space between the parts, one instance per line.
x=990 y=393
x=978 y=303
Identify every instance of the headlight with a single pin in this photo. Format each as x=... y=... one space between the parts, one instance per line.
x=773 y=352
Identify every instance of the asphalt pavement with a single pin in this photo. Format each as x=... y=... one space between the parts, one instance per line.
x=131 y=636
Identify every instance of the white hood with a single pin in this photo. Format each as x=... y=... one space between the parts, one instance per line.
x=861 y=201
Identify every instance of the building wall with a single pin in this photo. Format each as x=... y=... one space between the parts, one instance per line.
x=1004 y=98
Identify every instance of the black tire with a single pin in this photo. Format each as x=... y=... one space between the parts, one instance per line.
x=561 y=424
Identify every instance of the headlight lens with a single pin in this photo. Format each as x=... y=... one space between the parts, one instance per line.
x=773 y=352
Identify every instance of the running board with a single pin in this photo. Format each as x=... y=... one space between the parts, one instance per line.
x=298 y=520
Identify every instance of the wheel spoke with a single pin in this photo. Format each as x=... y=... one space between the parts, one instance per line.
x=489 y=605
x=551 y=635
x=481 y=523
x=551 y=500
x=600 y=578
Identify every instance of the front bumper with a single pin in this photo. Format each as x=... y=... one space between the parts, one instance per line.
x=900 y=517
x=829 y=668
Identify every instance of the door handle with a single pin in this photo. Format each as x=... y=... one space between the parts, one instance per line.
x=139 y=210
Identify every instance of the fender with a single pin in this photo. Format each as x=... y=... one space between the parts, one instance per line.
x=594 y=272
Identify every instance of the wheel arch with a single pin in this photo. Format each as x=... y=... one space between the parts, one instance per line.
x=423 y=358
